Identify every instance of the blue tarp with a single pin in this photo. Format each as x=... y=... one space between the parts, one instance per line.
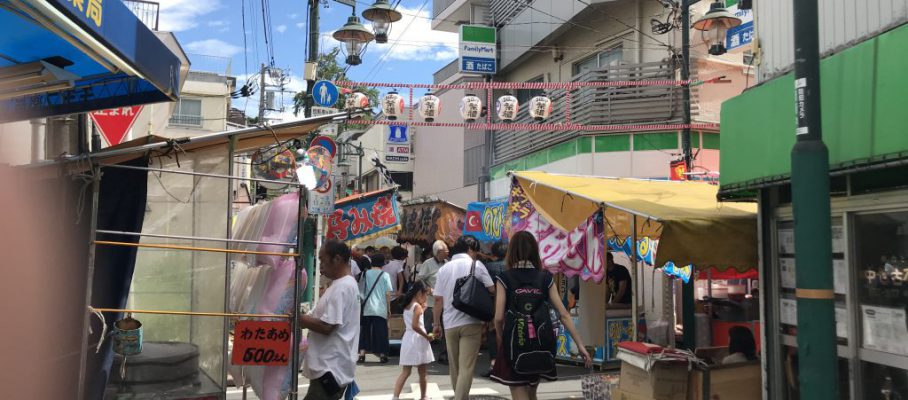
x=46 y=30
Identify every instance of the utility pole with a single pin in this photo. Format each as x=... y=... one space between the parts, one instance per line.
x=312 y=57
x=262 y=94
x=817 y=354
x=687 y=290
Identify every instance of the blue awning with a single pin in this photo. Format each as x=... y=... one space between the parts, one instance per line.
x=91 y=55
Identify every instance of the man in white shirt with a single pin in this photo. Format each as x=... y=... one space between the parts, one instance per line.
x=462 y=333
x=333 y=326
x=395 y=269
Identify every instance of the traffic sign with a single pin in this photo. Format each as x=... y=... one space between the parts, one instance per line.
x=115 y=122
x=324 y=93
x=478 y=51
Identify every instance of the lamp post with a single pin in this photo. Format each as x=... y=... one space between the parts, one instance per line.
x=382 y=15
x=354 y=36
x=714 y=25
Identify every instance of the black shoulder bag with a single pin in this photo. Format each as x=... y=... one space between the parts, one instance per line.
x=472 y=297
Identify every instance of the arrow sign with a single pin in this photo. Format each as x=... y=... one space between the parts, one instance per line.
x=115 y=122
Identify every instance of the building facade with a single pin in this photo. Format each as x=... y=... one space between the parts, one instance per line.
x=864 y=46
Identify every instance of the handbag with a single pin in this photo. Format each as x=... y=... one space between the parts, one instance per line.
x=472 y=297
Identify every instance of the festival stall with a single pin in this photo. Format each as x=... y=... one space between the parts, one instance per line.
x=665 y=224
x=196 y=281
x=364 y=216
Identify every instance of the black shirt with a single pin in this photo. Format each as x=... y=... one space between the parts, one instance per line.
x=614 y=277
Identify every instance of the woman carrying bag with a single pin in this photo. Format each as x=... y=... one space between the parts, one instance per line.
x=525 y=334
x=375 y=289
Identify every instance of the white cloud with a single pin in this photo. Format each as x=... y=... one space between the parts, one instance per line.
x=180 y=15
x=412 y=39
x=221 y=25
x=281 y=28
x=294 y=16
x=301 y=25
x=213 y=47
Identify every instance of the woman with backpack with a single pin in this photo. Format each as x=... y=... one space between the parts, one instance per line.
x=526 y=337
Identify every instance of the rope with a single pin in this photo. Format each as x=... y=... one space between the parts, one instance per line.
x=545 y=126
x=209 y=249
x=103 y=327
x=523 y=85
x=189 y=313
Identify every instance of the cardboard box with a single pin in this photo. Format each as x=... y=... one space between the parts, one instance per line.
x=741 y=381
x=664 y=381
x=396 y=327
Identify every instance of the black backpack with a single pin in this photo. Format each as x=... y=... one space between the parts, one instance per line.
x=529 y=337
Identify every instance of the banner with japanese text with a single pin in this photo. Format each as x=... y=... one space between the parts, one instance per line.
x=487 y=221
x=425 y=223
x=578 y=252
x=365 y=216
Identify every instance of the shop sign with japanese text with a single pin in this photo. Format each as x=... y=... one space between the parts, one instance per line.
x=261 y=343
x=364 y=216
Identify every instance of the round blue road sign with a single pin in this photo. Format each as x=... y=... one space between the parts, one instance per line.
x=324 y=93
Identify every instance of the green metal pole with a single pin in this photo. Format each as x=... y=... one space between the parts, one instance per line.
x=312 y=55
x=817 y=357
x=687 y=290
x=308 y=241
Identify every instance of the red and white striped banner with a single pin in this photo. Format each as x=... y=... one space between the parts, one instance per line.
x=543 y=126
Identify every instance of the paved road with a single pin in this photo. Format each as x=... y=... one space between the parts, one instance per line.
x=376 y=382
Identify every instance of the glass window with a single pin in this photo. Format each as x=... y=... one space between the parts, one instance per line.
x=187 y=112
x=524 y=95
x=881 y=268
x=883 y=382
x=610 y=57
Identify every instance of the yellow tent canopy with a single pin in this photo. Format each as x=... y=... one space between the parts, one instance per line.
x=690 y=223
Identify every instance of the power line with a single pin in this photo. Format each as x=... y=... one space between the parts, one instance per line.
x=245 y=48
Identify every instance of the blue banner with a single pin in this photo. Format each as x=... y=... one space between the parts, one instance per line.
x=684 y=273
x=362 y=217
x=646 y=248
x=486 y=221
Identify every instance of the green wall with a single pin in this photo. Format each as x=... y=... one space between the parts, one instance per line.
x=864 y=100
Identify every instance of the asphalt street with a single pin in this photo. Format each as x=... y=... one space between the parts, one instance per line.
x=376 y=382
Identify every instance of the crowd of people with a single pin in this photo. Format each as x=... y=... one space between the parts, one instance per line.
x=350 y=320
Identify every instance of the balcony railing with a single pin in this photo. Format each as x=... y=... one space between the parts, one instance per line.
x=147 y=11
x=600 y=106
x=186 y=120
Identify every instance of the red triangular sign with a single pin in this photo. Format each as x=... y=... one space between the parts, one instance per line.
x=115 y=122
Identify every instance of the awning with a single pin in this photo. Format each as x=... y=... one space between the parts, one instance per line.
x=424 y=222
x=691 y=225
x=64 y=56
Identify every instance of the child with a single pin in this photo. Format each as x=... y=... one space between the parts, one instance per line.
x=414 y=347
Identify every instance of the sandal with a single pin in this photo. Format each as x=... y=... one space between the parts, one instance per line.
x=361 y=359
x=383 y=359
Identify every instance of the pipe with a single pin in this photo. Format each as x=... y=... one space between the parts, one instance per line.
x=206 y=239
x=172 y=171
x=190 y=313
x=191 y=248
x=297 y=288
x=89 y=282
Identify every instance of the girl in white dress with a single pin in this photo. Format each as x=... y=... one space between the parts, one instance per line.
x=414 y=348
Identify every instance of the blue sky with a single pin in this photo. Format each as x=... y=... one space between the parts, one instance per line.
x=215 y=28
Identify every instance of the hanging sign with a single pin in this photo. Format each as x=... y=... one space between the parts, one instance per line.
x=743 y=34
x=486 y=221
x=261 y=343
x=321 y=200
x=427 y=222
x=478 y=53
x=115 y=122
x=365 y=216
x=397 y=145
x=677 y=170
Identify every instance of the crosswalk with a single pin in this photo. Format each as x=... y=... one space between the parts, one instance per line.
x=433 y=392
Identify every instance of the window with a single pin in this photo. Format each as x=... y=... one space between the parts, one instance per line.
x=187 y=112
x=404 y=180
x=524 y=95
x=612 y=56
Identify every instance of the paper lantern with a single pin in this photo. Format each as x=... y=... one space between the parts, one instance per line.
x=429 y=107
x=507 y=108
x=540 y=108
x=470 y=108
x=356 y=100
x=392 y=105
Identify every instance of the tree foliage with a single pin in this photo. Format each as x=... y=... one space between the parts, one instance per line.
x=330 y=70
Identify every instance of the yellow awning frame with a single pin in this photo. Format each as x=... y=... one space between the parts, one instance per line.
x=687 y=218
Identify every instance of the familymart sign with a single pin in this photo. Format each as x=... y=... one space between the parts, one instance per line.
x=478 y=53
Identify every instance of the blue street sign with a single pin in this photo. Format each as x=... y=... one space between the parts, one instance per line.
x=740 y=35
x=478 y=65
x=324 y=93
x=398 y=134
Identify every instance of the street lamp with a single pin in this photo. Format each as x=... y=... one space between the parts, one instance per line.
x=354 y=36
x=714 y=24
x=382 y=15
